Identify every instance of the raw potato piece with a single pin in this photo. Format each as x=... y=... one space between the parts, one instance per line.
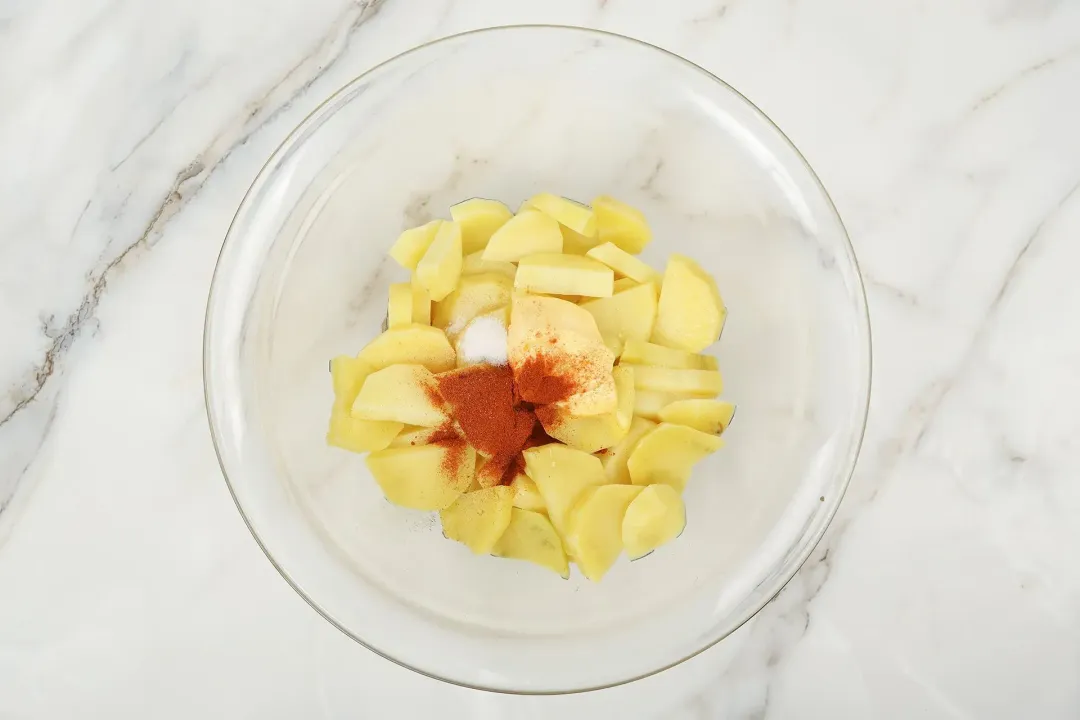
x=556 y=274
x=530 y=536
x=649 y=403
x=646 y=353
x=592 y=433
x=413 y=243
x=478 y=519
x=624 y=316
x=656 y=516
x=475 y=264
x=577 y=217
x=399 y=309
x=402 y=393
x=623 y=263
x=625 y=284
x=595 y=537
x=479 y=219
x=711 y=416
x=421 y=304
x=668 y=453
x=475 y=295
x=574 y=243
x=426 y=477
x=526 y=495
x=345 y=431
x=561 y=474
x=414 y=344
x=614 y=459
x=440 y=268
x=620 y=224
x=526 y=233
x=691 y=314
x=700 y=383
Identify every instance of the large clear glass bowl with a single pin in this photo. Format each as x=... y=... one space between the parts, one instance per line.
x=505 y=113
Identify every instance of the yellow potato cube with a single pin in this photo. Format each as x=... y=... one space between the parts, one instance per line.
x=595 y=536
x=440 y=268
x=413 y=243
x=573 y=215
x=623 y=316
x=402 y=393
x=561 y=474
x=626 y=284
x=526 y=495
x=667 y=454
x=620 y=224
x=524 y=234
x=592 y=433
x=410 y=344
x=698 y=383
x=478 y=519
x=646 y=353
x=421 y=304
x=623 y=263
x=479 y=219
x=399 y=310
x=574 y=243
x=614 y=459
x=691 y=313
x=425 y=477
x=711 y=416
x=530 y=536
x=348 y=375
x=475 y=264
x=649 y=403
x=474 y=296
x=359 y=436
x=656 y=516
x=558 y=274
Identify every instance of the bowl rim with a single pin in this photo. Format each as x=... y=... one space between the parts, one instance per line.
x=832 y=504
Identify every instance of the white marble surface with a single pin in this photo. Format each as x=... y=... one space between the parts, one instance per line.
x=949 y=585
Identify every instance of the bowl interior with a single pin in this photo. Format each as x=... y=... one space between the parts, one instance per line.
x=504 y=114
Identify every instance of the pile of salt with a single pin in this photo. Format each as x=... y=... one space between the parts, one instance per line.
x=483 y=341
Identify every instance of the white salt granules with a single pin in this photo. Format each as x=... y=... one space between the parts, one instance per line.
x=483 y=341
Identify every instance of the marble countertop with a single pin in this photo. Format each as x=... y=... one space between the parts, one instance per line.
x=947 y=587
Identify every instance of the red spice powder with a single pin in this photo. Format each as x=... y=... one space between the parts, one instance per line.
x=455 y=455
x=544 y=379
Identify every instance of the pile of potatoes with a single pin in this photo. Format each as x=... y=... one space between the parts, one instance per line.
x=613 y=482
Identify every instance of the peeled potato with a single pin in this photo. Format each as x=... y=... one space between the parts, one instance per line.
x=440 y=268
x=701 y=383
x=421 y=304
x=625 y=284
x=411 y=344
x=667 y=454
x=656 y=516
x=639 y=352
x=561 y=474
x=649 y=403
x=574 y=215
x=527 y=233
x=620 y=224
x=574 y=243
x=530 y=536
x=626 y=315
x=479 y=518
x=479 y=219
x=399 y=310
x=591 y=433
x=425 y=477
x=406 y=394
x=348 y=375
x=475 y=295
x=475 y=264
x=623 y=263
x=413 y=243
x=526 y=495
x=557 y=274
x=691 y=313
x=710 y=416
x=595 y=535
x=614 y=459
x=359 y=436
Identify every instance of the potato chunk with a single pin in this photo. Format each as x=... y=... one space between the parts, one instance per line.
x=710 y=416
x=440 y=268
x=406 y=394
x=627 y=315
x=646 y=353
x=556 y=274
x=526 y=495
x=595 y=535
x=574 y=215
x=691 y=313
x=345 y=431
x=413 y=243
x=479 y=219
x=527 y=233
x=656 y=516
x=410 y=344
x=530 y=536
x=623 y=263
x=479 y=518
x=474 y=296
x=699 y=383
x=399 y=308
x=425 y=477
x=614 y=459
x=667 y=454
x=591 y=433
x=475 y=264
x=620 y=224
x=561 y=474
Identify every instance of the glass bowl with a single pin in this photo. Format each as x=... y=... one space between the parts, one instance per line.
x=505 y=113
